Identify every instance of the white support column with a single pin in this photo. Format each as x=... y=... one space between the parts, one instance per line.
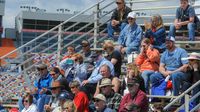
x=96 y=18
x=59 y=44
x=187 y=99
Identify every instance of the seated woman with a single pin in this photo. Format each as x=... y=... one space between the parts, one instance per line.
x=155 y=31
x=29 y=106
x=114 y=56
x=193 y=74
x=132 y=71
x=80 y=67
x=148 y=61
x=74 y=68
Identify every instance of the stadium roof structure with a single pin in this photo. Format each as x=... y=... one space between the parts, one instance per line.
x=43 y=16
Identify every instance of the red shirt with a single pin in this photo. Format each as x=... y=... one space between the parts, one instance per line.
x=81 y=102
x=140 y=100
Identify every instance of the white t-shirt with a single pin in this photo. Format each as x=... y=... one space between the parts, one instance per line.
x=31 y=108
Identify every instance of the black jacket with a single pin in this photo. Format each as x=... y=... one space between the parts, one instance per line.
x=116 y=15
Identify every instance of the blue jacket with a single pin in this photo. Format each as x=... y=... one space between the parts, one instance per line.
x=131 y=37
x=158 y=36
x=96 y=76
x=44 y=82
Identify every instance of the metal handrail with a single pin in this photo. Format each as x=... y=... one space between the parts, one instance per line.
x=141 y=1
x=35 y=46
x=56 y=27
x=159 y=8
x=180 y=96
x=194 y=97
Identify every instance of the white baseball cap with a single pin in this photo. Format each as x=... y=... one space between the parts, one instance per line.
x=170 y=38
x=131 y=15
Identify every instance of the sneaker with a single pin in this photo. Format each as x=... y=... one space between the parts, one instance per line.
x=189 y=45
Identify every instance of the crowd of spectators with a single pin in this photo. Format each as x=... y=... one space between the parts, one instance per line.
x=90 y=81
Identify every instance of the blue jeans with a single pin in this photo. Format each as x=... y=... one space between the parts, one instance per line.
x=146 y=76
x=44 y=99
x=112 y=29
x=176 y=78
x=190 y=27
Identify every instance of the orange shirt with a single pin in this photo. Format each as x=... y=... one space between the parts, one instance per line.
x=149 y=62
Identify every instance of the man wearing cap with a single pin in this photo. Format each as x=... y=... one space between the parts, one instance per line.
x=86 y=49
x=100 y=103
x=131 y=36
x=171 y=64
x=134 y=97
x=41 y=86
x=106 y=73
x=63 y=97
x=96 y=75
x=54 y=101
x=118 y=18
x=44 y=80
x=113 y=98
x=185 y=19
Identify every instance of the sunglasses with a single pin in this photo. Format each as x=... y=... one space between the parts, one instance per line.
x=130 y=85
x=191 y=60
x=53 y=74
x=72 y=87
x=118 y=2
x=55 y=88
x=25 y=101
x=96 y=100
x=130 y=18
x=143 y=45
x=104 y=87
x=84 y=46
x=40 y=69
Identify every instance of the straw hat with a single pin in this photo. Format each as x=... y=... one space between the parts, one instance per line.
x=193 y=55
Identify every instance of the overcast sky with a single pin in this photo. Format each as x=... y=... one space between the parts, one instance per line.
x=12 y=7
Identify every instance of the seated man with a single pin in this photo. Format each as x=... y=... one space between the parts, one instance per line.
x=118 y=19
x=171 y=64
x=100 y=103
x=54 y=101
x=113 y=99
x=131 y=36
x=185 y=19
x=91 y=82
x=105 y=72
x=134 y=97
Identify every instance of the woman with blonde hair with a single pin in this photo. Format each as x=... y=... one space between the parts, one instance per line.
x=68 y=106
x=132 y=71
x=114 y=56
x=156 y=32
